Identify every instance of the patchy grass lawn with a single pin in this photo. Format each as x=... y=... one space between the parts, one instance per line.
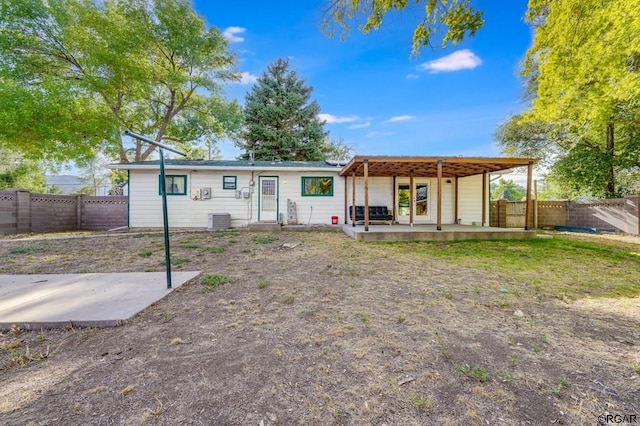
x=334 y=331
x=558 y=267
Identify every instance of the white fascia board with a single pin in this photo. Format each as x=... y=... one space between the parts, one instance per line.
x=125 y=166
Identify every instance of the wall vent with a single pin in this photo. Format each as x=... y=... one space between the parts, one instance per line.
x=219 y=221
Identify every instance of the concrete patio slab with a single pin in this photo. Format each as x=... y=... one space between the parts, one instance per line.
x=430 y=233
x=83 y=300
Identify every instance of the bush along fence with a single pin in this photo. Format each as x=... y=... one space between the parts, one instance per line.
x=26 y=212
x=620 y=214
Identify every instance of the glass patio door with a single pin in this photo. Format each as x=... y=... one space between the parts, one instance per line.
x=419 y=204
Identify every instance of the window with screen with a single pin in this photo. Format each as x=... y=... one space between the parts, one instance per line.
x=229 y=182
x=317 y=186
x=175 y=184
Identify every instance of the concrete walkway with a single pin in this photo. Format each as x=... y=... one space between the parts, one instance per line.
x=83 y=300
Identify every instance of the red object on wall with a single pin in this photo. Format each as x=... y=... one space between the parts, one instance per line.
x=334 y=220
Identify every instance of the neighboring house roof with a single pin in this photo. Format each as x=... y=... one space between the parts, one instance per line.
x=66 y=183
x=231 y=165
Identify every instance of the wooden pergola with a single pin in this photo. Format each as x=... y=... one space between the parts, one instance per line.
x=432 y=167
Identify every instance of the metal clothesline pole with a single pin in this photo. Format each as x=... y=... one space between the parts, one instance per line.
x=163 y=192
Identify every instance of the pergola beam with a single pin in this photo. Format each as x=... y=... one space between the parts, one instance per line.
x=428 y=166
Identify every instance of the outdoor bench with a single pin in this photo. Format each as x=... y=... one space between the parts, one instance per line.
x=376 y=214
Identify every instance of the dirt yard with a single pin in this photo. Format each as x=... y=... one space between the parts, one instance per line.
x=315 y=328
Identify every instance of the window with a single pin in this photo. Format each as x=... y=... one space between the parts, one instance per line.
x=175 y=184
x=317 y=187
x=229 y=182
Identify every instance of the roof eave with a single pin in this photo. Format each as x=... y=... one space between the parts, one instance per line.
x=126 y=166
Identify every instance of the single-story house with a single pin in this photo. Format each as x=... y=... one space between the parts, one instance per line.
x=415 y=190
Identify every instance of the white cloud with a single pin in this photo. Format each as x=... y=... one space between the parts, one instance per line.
x=332 y=119
x=398 y=118
x=247 y=78
x=359 y=126
x=412 y=77
x=231 y=34
x=378 y=134
x=460 y=60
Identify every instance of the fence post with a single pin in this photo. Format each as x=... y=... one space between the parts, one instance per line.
x=502 y=209
x=79 y=208
x=638 y=213
x=494 y=216
x=23 y=212
x=632 y=208
x=535 y=204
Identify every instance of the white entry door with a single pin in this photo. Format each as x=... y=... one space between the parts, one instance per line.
x=268 y=198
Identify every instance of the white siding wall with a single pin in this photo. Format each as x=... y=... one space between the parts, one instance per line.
x=448 y=207
x=309 y=209
x=380 y=191
x=145 y=208
x=381 y=194
x=470 y=199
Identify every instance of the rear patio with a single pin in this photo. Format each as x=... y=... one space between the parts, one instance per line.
x=431 y=198
x=451 y=232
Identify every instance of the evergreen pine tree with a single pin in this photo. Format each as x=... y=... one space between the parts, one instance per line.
x=280 y=120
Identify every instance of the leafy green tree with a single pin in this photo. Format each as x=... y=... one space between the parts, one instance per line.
x=507 y=189
x=95 y=175
x=16 y=172
x=337 y=149
x=458 y=17
x=583 y=72
x=74 y=74
x=54 y=189
x=280 y=120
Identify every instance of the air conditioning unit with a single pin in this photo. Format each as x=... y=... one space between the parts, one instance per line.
x=219 y=221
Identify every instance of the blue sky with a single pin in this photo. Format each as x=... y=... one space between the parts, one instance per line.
x=373 y=94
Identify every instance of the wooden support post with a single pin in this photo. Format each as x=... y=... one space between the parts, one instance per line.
x=366 y=194
x=353 y=199
x=412 y=201
x=484 y=198
x=455 y=201
x=394 y=212
x=527 y=219
x=439 y=196
x=346 y=202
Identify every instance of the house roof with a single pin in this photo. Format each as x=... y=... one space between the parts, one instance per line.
x=428 y=166
x=377 y=165
x=231 y=165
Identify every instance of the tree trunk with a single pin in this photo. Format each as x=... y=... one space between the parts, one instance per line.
x=611 y=183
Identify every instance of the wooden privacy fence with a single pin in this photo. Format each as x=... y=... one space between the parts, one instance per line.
x=619 y=213
x=508 y=214
x=26 y=212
